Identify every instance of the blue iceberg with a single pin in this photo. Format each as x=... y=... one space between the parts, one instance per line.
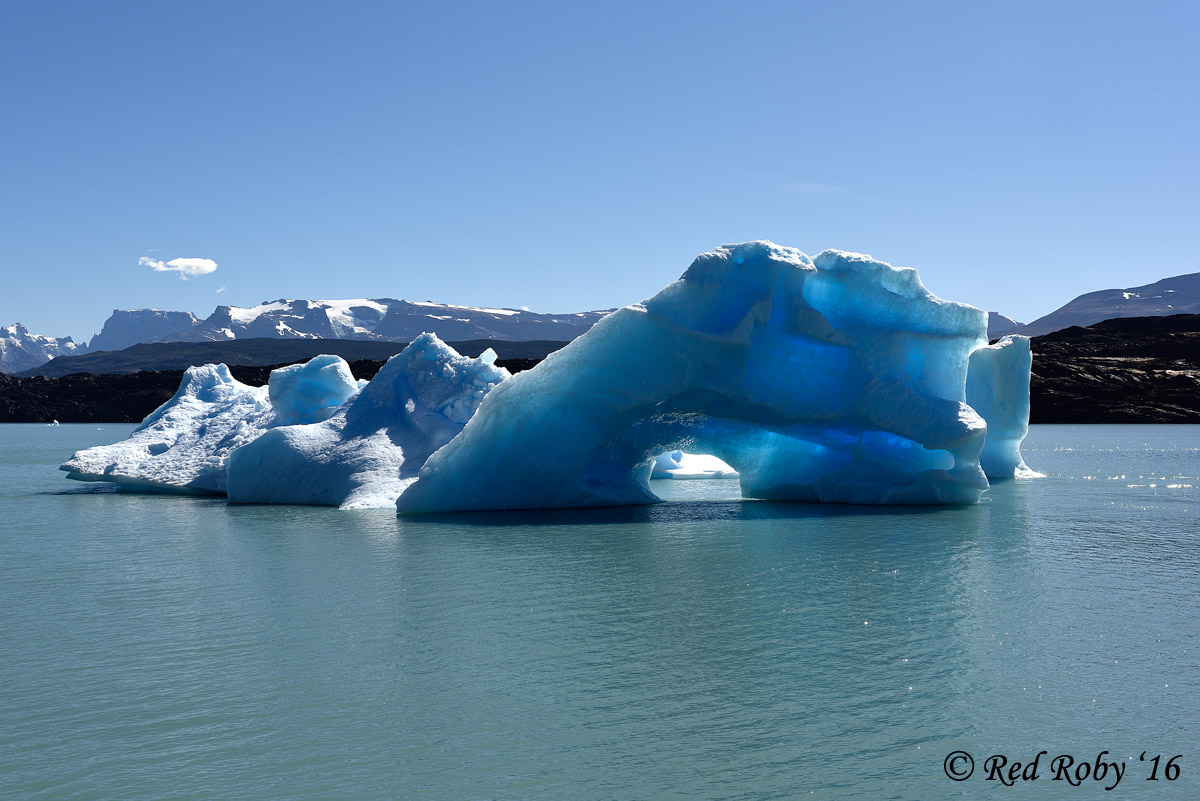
x=837 y=378
x=998 y=388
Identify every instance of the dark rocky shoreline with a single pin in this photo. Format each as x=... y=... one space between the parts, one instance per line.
x=1130 y=370
x=128 y=398
x=1127 y=370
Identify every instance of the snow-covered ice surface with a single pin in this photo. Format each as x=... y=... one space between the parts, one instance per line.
x=678 y=464
x=184 y=445
x=836 y=378
x=371 y=449
x=998 y=389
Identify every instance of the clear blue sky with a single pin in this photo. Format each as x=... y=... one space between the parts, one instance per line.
x=568 y=156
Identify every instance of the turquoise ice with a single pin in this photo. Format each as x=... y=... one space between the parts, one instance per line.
x=837 y=378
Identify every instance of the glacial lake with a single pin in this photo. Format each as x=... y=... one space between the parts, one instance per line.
x=167 y=647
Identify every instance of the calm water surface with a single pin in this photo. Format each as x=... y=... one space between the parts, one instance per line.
x=157 y=647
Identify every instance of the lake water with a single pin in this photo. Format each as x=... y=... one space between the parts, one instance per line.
x=160 y=647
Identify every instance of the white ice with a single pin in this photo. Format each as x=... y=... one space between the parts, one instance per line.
x=678 y=464
x=184 y=445
x=371 y=449
x=998 y=389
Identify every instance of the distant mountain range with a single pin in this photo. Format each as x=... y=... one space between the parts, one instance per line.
x=131 y=326
x=381 y=320
x=391 y=320
x=373 y=320
x=1177 y=295
x=155 y=356
x=20 y=350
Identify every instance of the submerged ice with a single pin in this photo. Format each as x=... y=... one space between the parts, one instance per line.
x=837 y=378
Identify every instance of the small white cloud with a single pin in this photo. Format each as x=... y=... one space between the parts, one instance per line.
x=524 y=308
x=222 y=289
x=187 y=268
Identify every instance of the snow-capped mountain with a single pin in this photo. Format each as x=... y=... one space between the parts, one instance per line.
x=21 y=350
x=381 y=320
x=1177 y=295
x=406 y=320
x=384 y=319
x=127 y=327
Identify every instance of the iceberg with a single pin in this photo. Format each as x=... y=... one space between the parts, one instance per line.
x=367 y=452
x=998 y=389
x=835 y=378
x=185 y=444
x=838 y=378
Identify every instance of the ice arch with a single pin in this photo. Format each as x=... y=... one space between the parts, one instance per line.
x=835 y=378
